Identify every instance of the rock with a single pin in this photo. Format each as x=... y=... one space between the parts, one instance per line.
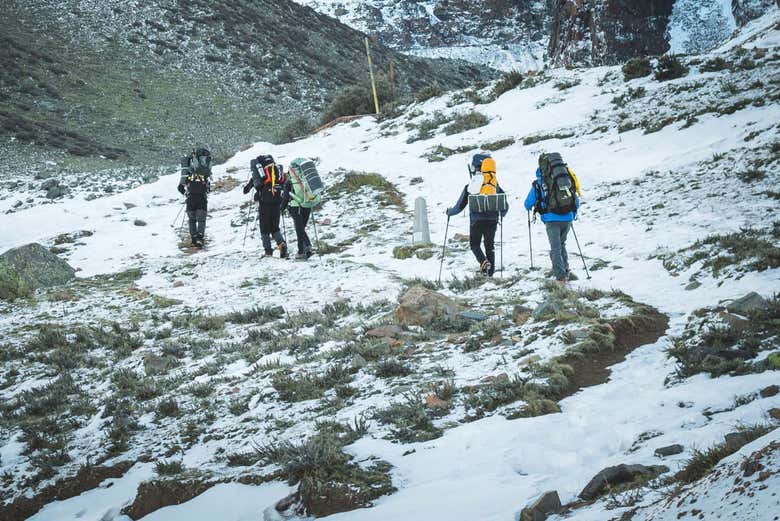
x=54 y=189
x=178 y=284
x=388 y=331
x=326 y=222
x=617 y=475
x=736 y=440
x=750 y=302
x=669 y=450
x=29 y=267
x=734 y=322
x=693 y=285
x=547 y=308
x=521 y=314
x=459 y=237
x=358 y=362
x=499 y=378
x=434 y=402
x=473 y=315
x=129 y=206
x=139 y=222
x=768 y=392
x=419 y=306
x=538 y=509
x=774 y=413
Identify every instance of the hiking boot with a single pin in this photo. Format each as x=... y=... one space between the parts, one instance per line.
x=486 y=268
x=301 y=256
x=282 y=249
x=197 y=241
x=308 y=253
x=571 y=276
x=268 y=253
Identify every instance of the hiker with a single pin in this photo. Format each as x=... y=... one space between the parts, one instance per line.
x=195 y=183
x=483 y=223
x=305 y=187
x=555 y=195
x=269 y=182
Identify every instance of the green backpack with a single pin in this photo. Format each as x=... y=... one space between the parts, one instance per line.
x=307 y=185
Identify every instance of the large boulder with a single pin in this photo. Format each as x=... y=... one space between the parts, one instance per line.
x=619 y=475
x=538 y=510
x=30 y=267
x=745 y=305
x=419 y=306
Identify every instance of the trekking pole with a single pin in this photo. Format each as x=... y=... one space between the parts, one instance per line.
x=316 y=237
x=181 y=208
x=443 y=249
x=578 y=247
x=530 y=240
x=248 y=218
x=501 y=244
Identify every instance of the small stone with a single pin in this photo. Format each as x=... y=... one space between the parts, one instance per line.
x=750 y=302
x=521 y=314
x=669 y=450
x=326 y=222
x=500 y=377
x=538 y=510
x=128 y=206
x=388 y=331
x=736 y=440
x=693 y=285
x=459 y=237
x=611 y=476
x=734 y=322
x=547 y=308
x=473 y=315
x=139 y=222
x=768 y=392
x=434 y=402
x=178 y=284
x=774 y=413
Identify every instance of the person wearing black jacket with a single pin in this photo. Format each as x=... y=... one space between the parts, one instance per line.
x=269 y=181
x=195 y=183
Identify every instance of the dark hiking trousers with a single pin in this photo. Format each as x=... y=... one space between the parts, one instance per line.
x=300 y=217
x=269 y=215
x=197 y=208
x=556 y=234
x=484 y=230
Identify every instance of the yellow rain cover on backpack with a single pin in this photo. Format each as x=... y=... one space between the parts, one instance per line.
x=489 y=180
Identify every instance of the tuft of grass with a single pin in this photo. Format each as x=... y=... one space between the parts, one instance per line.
x=390 y=368
x=508 y=81
x=355 y=182
x=714 y=65
x=703 y=461
x=257 y=315
x=669 y=67
x=411 y=422
x=168 y=468
x=466 y=121
x=308 y=386
x=637 y=68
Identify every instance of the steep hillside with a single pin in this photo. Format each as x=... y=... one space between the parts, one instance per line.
x=97 y=85
x=162 y=384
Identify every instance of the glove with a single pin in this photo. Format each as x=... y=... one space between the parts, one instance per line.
x=181 y=189
x=247 y=188
x=447 y=212
x=253 y=162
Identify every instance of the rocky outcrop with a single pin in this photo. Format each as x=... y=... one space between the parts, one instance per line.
x=747 y=10
x=538 y=510
x=606 y=32
x=157 y=494
x=623 y=474
x=31 y=267
x=419 y=306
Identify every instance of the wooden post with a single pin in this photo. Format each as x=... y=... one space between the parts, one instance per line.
x=371 y=73
x=392 y=79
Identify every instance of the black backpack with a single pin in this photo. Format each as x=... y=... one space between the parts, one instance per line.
x=200 y=171
x=557 y=186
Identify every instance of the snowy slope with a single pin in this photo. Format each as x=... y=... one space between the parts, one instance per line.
x=634 y=155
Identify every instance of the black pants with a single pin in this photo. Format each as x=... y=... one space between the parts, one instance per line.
x=300 y=217
x=269 y=215
x=484 y=230
x=197 y=208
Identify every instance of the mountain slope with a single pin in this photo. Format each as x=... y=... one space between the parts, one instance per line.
x=184 y=367
x=141 y=83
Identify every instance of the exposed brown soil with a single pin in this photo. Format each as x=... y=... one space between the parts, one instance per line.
x=153 y=495
x=643 y=327
x=86 y=479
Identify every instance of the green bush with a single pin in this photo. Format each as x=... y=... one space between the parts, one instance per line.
x=637 y=68
x=297 y=128
x=466 y=121
x=431 y=91
x=508 y=81
x=714 y=65
x=357 y=100
x=669 y=67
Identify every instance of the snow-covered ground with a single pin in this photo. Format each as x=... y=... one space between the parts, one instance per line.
x=650 y=191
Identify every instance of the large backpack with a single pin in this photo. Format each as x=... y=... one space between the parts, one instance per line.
x=484 y=197
x=199 y=178
x=272 y=184
x=557 y=185
x=307 y=186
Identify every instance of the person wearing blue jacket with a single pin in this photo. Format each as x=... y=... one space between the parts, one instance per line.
x=482 y=224
x=557 y=223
